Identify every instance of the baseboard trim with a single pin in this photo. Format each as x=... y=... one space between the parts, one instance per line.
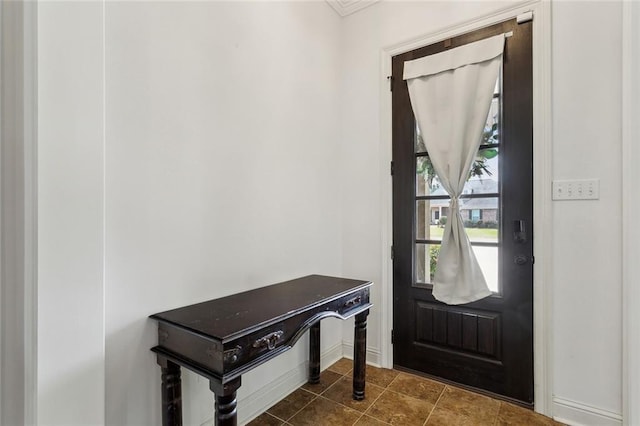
x=330 y=356
x=374 y=357
x=577 y=414
x=256 y=403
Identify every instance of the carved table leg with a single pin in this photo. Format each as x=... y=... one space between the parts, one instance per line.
x=226 y=413
x=171 y=393
x=314 y=353
x=359 y=355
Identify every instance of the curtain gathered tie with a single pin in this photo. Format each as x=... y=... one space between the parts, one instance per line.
x=453 y=204
x=451 y=94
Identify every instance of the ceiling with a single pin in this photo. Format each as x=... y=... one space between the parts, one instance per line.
x=347 y=7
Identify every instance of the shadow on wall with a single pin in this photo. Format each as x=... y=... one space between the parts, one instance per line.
x=53 y=395
x=131 y=369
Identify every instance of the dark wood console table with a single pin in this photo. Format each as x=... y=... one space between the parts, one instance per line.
x=223 y=338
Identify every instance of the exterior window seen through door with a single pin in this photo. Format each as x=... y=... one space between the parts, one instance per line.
x=479 y=204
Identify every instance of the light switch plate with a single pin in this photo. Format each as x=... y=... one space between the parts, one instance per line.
x=576 y=189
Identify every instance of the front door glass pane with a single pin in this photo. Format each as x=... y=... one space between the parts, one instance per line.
x=427 y=258
x=479 y=216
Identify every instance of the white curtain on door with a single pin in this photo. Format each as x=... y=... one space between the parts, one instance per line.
x=451 y=94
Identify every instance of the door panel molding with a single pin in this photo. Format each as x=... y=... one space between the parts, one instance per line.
x=543 y=368
x=473 y=331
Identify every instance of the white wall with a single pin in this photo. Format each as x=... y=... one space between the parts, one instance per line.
x=222 y=142
x=586 y=279
x=631 y=204
x=70 y=224
x=217 y=173
x=587 y=235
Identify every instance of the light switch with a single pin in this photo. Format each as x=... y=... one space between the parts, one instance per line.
x=576 y=189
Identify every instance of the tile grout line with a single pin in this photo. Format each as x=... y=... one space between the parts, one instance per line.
x=384 y=389
x=358 y=419
x=345 y=376
x=495 y=422
x=315 y=396
x=372 y=404
x=302 y=408
x=435 y=405
x=275 y=417
x=363 y=413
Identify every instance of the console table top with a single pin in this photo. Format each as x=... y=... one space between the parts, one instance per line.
x=232 y=315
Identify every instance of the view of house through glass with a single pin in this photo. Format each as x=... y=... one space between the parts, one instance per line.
x=479 y=204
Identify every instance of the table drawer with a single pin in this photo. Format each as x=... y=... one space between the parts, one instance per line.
x=260 y=344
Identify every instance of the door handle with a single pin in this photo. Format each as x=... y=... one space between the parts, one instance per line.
x=520 y=259
x=519 y=232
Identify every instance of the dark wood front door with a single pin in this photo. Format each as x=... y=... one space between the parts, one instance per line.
x=486 y=344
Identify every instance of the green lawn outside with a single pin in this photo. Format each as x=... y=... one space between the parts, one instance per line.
x=473 y=233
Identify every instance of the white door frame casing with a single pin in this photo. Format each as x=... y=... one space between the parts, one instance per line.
x=18 y=200
x=630 y=207
x=542 y=163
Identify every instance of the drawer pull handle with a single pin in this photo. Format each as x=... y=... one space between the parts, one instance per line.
x=352 y=302
x=232 y=355
x=270 y=340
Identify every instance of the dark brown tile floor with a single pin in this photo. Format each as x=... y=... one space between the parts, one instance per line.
x=392 y=398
